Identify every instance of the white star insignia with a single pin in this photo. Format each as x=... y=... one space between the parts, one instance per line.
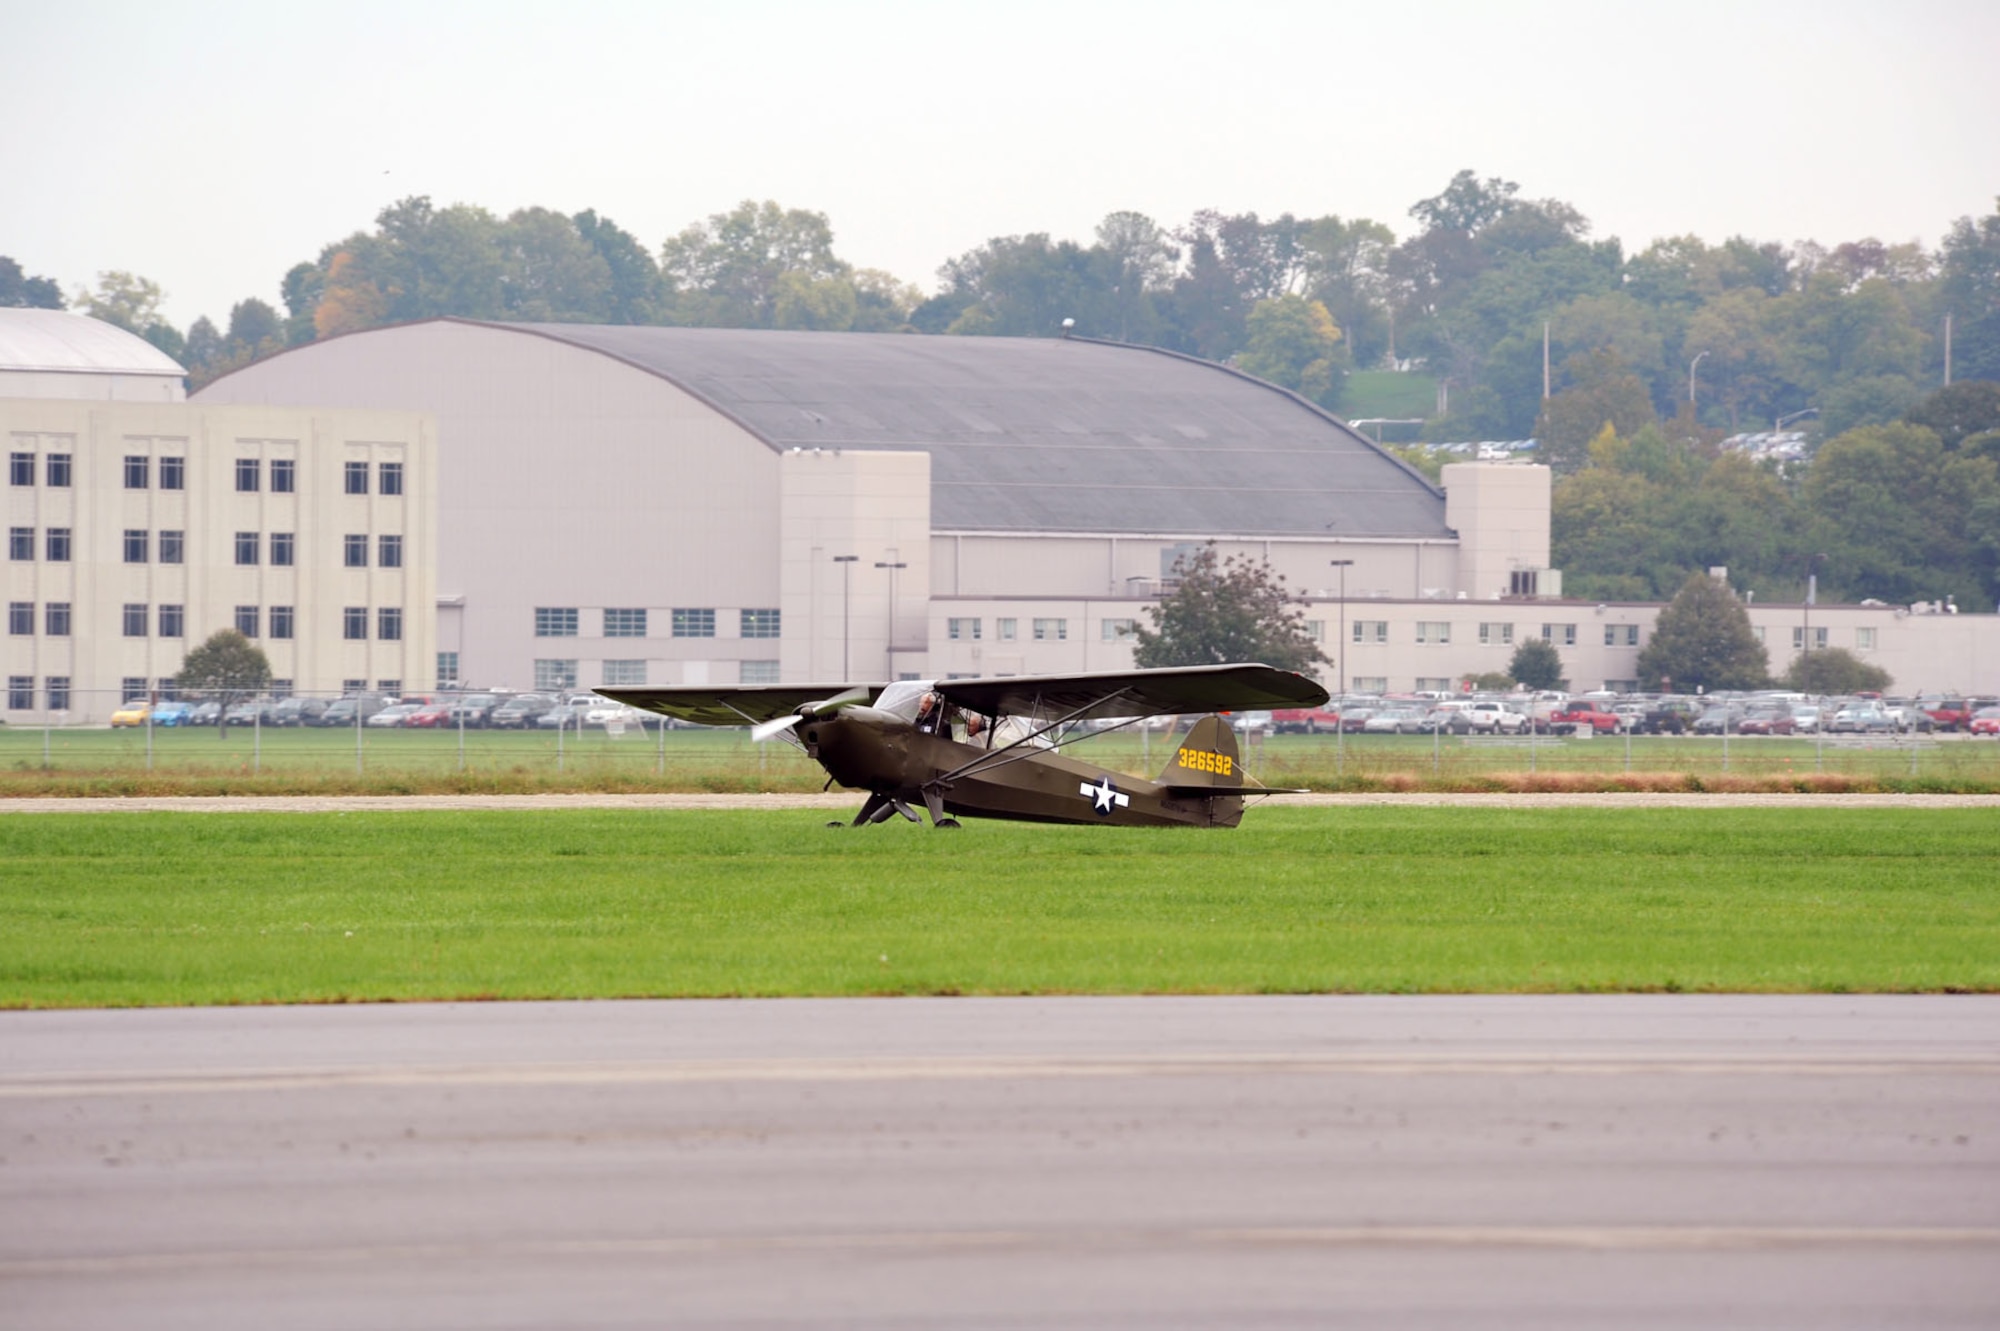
x=1104 y=796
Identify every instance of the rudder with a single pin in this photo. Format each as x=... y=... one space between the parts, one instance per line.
x=1207 y=757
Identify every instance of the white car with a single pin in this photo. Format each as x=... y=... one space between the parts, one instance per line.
x=1495 y=718
x=393 y=716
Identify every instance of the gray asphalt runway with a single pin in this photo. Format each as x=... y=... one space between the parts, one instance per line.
x=1560 y=1162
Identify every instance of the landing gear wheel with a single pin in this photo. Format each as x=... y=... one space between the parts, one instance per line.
x=948 y=822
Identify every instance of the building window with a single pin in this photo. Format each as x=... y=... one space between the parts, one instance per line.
x=389 y=624
x=555 y=621
x=962 y=630
x=1433 y=684
x=447 y=671
x=1496 y=635
x=138 y=472
x=694 y=623
x=1799 y=639
x=356 y=555
x=354 y=623
x=761 y=624
x=353 y=686
x=21 y=618
x=1864 y=640
x=283 y=549
x=1006 y=629
x=173 y=621
x=758 y=672
x=555 y=674
x=624 y=623
x=57 y=689
x=1562 y=635
x=1051 y=630
x=1621 y=686
x=20 y=543
x=1371 y=630
x=357 y=478
x=248 y=475
x=1434 y=632
x=1370 y=683
x=1120 y=630
x=281 y=621
x=20 y=692
x=1524 y=582
x=136 y=616
x=59 y=472
x=1316 y=629
x=247 y=543
x=171 y=547
x=58 y=545
x=55 y=619
x=247 y=620
x=627 y=673
x=392 y=688
x=389 y=551
x=390 y=479
x=173 y=473
x=135 y=545
x=1756 y=629
x=20 y=469
x=131 y=688
x=1621 y=635
x=284 y=476
x=281 y=688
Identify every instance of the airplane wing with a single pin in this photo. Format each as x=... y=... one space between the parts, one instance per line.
x=1179 y=690
x=735 y=705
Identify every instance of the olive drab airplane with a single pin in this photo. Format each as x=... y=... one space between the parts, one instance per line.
x=991 y=748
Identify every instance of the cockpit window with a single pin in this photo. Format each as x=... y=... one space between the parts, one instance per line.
x=904 y=697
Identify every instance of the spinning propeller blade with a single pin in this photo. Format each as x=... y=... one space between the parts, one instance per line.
x=778 y=725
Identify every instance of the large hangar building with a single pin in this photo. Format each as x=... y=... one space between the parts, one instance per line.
x=640 y=505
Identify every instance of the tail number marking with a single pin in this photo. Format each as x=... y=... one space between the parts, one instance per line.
x=1196 y=760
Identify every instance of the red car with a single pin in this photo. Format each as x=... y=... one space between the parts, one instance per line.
x=431 y=716
x=1580 y=714
x=1986 y=721
x=1767 y=723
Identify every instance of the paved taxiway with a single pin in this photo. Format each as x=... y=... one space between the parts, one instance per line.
x=1546 y=1162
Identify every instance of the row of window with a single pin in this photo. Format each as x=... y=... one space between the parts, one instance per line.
x=251 y=621
x=58 y=470
x=564 y=622
x=1045 y=630
x=1438 y=633
x=139 y=545
x=21 y=692
x=561 y=673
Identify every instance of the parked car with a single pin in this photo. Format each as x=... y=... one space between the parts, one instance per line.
x=131 y=714
x=1394 y=721
x=1352 y=719
x=1767 y=721
x=296 y=712
x=1720 y=719
x=431 y=716
x=1580 y=714
x=1985 y=721
x=1495 y=718
x=567 y=716
x=1306 y=721
x=520 y=711
x=1947 y=713
x=1252 y=722
x=1668 y=716
x=1908 y=716
x=1861 y=719
x=342 y=711
x=1805 y=720
x=204 y=714
x=391 y=717
x=252 y=712
x=473 y=710
x=172 y=713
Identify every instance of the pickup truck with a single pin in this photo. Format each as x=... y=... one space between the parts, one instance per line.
x=1582 y=714
x=1669 y=716
x=1493 y=718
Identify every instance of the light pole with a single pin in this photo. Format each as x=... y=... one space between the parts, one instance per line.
x=892 y=566
x=846 y=563
x=1812 y=594
x=1691 y=364
x=1340 y=666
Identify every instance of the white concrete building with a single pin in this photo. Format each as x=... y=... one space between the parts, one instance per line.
x=665 y=506
x=137 y=528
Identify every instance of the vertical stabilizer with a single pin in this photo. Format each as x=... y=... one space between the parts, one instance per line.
x=1207 y=757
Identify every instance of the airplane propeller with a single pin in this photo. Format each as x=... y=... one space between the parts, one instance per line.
x=778 y=725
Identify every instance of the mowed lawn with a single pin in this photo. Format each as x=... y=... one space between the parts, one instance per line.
x=115 y=909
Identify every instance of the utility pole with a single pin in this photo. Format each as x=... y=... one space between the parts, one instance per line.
x=892 y=566
x=846 y=563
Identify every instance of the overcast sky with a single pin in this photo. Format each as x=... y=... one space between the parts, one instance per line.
x=211 y=146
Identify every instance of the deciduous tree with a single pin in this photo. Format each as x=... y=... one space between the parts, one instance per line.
x=1834 y=670
x=1537 y=665
x=224 y=668
x=1224 y=611
x=1703 y=640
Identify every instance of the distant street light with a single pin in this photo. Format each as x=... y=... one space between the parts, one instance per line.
x=1340 y=660
x=846 y=582
x=1812 y=594
x=892 y=566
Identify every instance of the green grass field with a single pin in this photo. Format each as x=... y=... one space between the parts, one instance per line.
x=122 y=909
x=1385 y=394
x=200 y=762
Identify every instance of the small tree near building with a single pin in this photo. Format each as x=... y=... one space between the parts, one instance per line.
x=225 y=668
x=1833 y=670
x=1703 y=641
x=1234 y=610
x=1537 y=665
